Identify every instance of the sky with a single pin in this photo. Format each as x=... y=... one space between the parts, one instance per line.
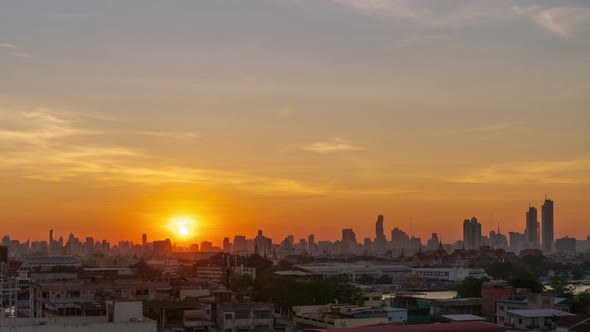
x=292 y=116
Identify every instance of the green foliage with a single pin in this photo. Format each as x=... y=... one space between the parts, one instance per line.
x=288 y=292
x=241 y=283
x=471 y=287
x=578 y=274
x=526 y=280
x=581 y=304
x=384 y=280
x=366 y=279
x=560 y=286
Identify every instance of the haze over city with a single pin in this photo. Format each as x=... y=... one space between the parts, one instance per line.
x=292 y=116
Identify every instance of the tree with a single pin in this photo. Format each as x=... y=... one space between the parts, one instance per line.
x=526 y=280
x=581 y=304
x=578 y=274
x=561 y=287
x=471 y=287
x=384 y=280
x=287 y=292
x=366 y=279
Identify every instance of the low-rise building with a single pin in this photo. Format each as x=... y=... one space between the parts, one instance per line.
x=238 y=317
x=507 y=311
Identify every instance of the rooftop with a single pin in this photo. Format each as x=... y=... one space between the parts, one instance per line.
x=535 y=313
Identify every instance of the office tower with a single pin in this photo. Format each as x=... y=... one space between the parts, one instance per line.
x=547 y=226
x=226 y=245
x=380 y=245
x=50 y=236
x=433 y=243
x=206 y=246
x=348 y=239
x=311 y=243
x=532 y=229
x=144 y=239
x=379 y=234
x=472 y=234
x=399 y=239
x=517 y=242
x=240 y=245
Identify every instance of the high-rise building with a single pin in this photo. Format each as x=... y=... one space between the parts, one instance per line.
x=532 y=229
x=433 y=243
x=547 y=236
x=226 y=245
x=399 y=239
x=311 y=243
x=348 y=239
x=379 y=234
x=472 y=234
x=144 y=239
x=517 y=242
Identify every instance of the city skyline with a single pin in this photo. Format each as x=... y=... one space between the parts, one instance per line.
x=123 y=118
x=472 y=237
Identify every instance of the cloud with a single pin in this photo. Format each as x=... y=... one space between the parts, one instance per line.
x=21 y=55
x=38 y=127
x=15 y=50
x=46 y=145
x=574 y=171
x=171 y=135
x=491 y=129
x=433 y=14
x=334 y=146
x=566 y=22
x=7 y=45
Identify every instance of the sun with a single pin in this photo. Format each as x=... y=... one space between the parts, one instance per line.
x=183 y=231
x=182 y=226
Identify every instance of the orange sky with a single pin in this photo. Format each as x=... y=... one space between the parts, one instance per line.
x=295 y=117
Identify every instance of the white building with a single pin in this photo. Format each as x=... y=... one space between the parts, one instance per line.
x=456 y=274
x=122 y=317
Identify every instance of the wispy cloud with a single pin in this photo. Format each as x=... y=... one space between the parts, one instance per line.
x=21 y=55
x=7 y=45
x=37 y=127
x=15 y=50
x=334 y=146
x=171 y=135
x=566 y=22
x=574 y=171
x=40 y=145
x=434 y=14
x=490 y=129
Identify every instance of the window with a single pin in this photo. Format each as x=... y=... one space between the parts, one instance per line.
x=243 y=315
x=45 y=295
x=228 y=316
x=142 y=292
x=502 y=308
x=261 y=314
x=73 y=293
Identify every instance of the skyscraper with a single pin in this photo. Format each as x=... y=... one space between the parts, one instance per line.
x=348 y=239
x=532 y=229
x=311 y=243
x=379 y=234
x=471 y=234
x=547 y=236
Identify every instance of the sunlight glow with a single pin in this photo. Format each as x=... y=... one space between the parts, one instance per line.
x=182 y=226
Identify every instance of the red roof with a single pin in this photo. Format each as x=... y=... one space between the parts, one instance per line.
x=440 y=327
